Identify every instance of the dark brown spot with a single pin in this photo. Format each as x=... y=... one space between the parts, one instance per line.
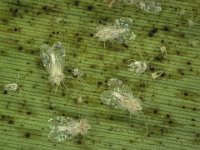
x=99 y=83
x=155 y=111
x=28 y=112
x=90 y=8
x=185 y=93
x=76 y=3
x=27 y=135
x=152 y=32
x=20 y=48
x=125 y=45
x=166 y=28
x=170 y=122
x=11 y=122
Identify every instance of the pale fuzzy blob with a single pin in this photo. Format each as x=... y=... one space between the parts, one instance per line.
x=149 y=6
x=106 y=33
x=118 y=32
x=67 y=128
x=121 y=97
x=77 y=72
x=10 y=88
x=53 y=59
x=138 y=67
x=157 y=74
x=163 y=50
x=128 y=102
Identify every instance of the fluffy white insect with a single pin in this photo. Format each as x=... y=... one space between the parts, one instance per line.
x=53 y=59
x=157 y=74
x=138 y=67
x=77 y=72
x=163 y=50
x=67 y=128
x=10 y=88
x=149 y=6
x=121 y=97
x=190 y=23
x=118 y=32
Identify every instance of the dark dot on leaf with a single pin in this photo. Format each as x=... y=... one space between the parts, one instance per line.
x=77 y=3
x=10 y=122
x=27 y=135
x=90 y=8
x=152 y=32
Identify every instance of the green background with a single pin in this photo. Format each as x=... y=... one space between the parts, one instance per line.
x=170 y=103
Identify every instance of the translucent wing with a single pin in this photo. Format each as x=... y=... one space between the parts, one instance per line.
x=49 y=55
x=128 y=35
x=57 y=126
x=108 y=98
x=123 y=22
x=45 y=54
x=59 y=54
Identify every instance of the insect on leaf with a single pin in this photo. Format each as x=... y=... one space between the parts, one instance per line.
x=54 y=61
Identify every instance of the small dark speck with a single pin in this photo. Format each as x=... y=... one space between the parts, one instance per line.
x=27 y=135
x=5 y=92
x=155 y=111
x=177 y=52
x=20 y=48
x=193 y=119
x=183 y=107
x=194 y=109
x=15 y=29
x=29 y=113
x=167 y=115
x=185 y=93
x=111 y=118
x=77 y=3
x=125 y=45
x=79 y=142
x=166 y=28
x=170 y=122
x=189 y=63
x=51 y=107
x=10 y=122
x=91 y=34
x=90 y=8
x=163 y=74
x=99 y=83
x=152 y=32
x=159 y=58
